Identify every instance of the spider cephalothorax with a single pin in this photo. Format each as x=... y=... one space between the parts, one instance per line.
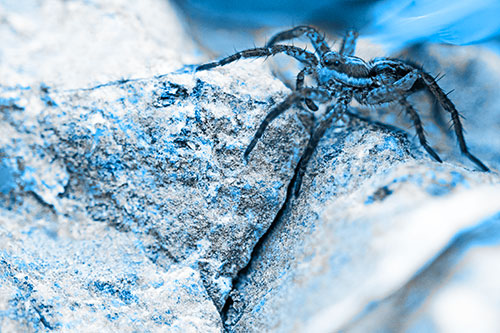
x=340 y=77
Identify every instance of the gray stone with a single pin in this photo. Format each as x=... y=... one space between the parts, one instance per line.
x=70 y=273
x=77 y=44
x=125 y=204
x=159 y=160
x=360 y=248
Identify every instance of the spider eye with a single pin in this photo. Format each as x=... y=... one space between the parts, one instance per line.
x=330 y=62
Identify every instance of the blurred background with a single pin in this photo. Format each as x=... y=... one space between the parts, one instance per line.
x=393 y=23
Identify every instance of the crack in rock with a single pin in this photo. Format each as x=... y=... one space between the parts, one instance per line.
x=127 y=205
x=160 y=160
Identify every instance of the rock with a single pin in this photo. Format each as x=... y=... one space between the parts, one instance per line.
x=126 y=205
x=77 y=44
x=159 y=160
x=332 y=255
x=449 y=292
x=70 y=273
x=377 y=228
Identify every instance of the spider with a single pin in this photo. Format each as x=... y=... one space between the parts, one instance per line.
x=340 y=77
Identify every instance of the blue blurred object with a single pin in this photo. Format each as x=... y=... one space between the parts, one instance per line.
x=392 y=22
x=457 y=22
x=259 y=13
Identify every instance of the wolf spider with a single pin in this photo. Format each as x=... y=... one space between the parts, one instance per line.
x=340 y=77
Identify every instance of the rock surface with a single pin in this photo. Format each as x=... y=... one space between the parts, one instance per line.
x=159 y=159
x=378 y=226
x=78 y=44
x=70 y=273
x=125 y=204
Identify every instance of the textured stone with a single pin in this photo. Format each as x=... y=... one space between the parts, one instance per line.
x=159 y=159
x=360 y=248
x=74 y=274
x=125 y=204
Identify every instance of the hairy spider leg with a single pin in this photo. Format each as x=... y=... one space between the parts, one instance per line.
x=316 y=38
x=392 y=92
x=396 y=91
x=377 y=96
x=349 y=43
x=306 y=57
x=437 y=114
x=436 y=110
x=318 y=43
x=317 y=94
x=333 y=112
x=448 y=106
x=417 y=122
x=300 y=85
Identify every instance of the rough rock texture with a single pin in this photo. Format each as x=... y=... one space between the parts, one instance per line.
x=70 y=273
x=333 y=253
x=379 y=227
x=160 y=159
x=125 y=204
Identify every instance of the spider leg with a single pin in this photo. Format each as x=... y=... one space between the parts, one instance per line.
x=319 y=95
x=395 y=91
x=437 y=115
x=391 y=92
x=317 y=40
x=333 y=112
x=445 y=102
x=419 y=128
x=349 y=43
x=306 y=57
x=300 y=85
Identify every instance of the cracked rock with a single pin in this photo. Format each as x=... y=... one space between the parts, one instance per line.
x=126 y=205
x=158 y=159
x=377 y=229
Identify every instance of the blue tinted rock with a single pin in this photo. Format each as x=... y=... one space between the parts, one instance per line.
x=160 y=160
x=374 y=212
